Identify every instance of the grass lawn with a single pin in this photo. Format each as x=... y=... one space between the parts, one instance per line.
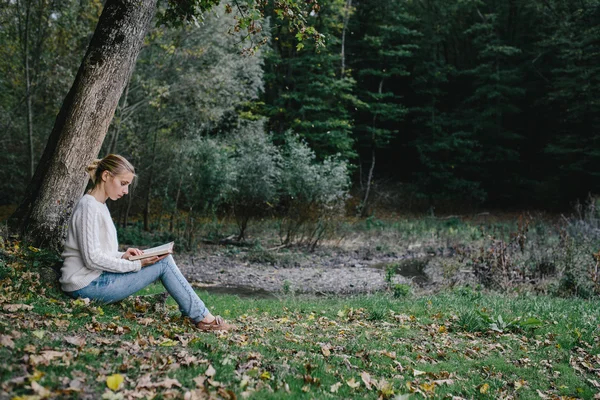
x=459 y=344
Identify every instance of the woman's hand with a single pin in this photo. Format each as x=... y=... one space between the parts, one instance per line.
x=132 y=252
x=152 y=260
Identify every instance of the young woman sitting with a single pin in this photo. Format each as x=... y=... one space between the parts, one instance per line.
x=94 y=268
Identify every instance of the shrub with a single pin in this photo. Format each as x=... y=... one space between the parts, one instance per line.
x=256 y=164
x=312 y=192
x=206 y=180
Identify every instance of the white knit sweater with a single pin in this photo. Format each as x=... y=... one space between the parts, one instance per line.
x=91 y=246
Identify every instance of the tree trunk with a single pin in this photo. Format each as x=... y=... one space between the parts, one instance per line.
x=343 y=52
x=150 y=181
x=363 y=208
x=28 y=92
x=174 y=214
x=83 y=121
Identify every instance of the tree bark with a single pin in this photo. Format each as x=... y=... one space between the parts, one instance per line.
x=82 y=122
x=28 y=91
x=343 y=52
x=150 y=181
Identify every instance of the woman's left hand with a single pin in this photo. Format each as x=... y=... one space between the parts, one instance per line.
x=132 y=252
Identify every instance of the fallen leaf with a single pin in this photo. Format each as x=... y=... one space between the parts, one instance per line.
x=444 y=382
x=168 y=343
x=76 y=385
x=542 y=395
x=200 y=379
x=114 y=381
x=366 y=378
x=484 y=388
x=416 y=372
x=210 y=371
x=265 y=376
x=37 y=375
x=520 y=383
x=40 y=390
x=325 y=350
x=76 y=341
x=7 y=341
x=38 y=334
x=110 y=395
x=594 y=383
x=352 y=383
x=81 y=302
x=168 y=383
x=16 y=307
x=46 y=356
x=335 y=387
x=428 y=387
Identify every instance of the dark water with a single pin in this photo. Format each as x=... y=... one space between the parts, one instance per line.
x=413 y=268
x=241 y=291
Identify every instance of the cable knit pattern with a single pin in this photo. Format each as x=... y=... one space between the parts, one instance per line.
x=91 y=246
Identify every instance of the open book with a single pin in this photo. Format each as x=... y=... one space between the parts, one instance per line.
x=155 y=251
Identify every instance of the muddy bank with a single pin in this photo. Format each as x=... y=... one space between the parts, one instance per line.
x=325 y=272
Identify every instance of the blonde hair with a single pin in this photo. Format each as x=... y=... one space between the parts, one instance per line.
x=113 y=163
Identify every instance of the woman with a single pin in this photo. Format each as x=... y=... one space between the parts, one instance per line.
x=94 y=268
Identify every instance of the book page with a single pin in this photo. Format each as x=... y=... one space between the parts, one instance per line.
x=155 y=251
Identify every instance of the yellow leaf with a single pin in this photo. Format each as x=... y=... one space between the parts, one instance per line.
x=34 y=249
x=37 y=375
x=265 y=376
x=428 y=387
x=484 y=388
x=168 y=343
x=38 y=334
x=114 y=381
x=520 y=383
x=81 y=302
x=442 y=329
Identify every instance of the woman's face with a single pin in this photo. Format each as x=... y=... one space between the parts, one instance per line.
x=117 y=186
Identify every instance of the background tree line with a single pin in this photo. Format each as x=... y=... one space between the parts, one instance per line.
x=473 y=102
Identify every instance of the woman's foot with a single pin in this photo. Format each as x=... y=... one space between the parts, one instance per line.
x=211 y=323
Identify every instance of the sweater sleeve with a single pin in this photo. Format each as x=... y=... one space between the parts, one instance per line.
x=94 y=257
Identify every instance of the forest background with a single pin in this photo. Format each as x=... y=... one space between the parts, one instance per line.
x=423 y=105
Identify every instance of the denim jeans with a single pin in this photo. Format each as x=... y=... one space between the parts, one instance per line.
x=111 y=287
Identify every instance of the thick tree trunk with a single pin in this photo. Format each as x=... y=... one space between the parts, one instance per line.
x=83 y=121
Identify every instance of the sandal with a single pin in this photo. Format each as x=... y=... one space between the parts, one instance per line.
x=218 y=324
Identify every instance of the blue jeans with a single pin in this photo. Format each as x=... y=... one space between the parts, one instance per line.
x=111 y=287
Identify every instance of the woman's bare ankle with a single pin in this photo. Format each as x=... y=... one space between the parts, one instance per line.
x=209 y=318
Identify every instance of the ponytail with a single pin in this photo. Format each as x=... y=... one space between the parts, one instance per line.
x=92 y=169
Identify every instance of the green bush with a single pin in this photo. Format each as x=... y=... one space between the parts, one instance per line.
x=311 y=193
x=256 y=165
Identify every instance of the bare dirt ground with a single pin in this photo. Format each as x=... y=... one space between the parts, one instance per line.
x=328 y=271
